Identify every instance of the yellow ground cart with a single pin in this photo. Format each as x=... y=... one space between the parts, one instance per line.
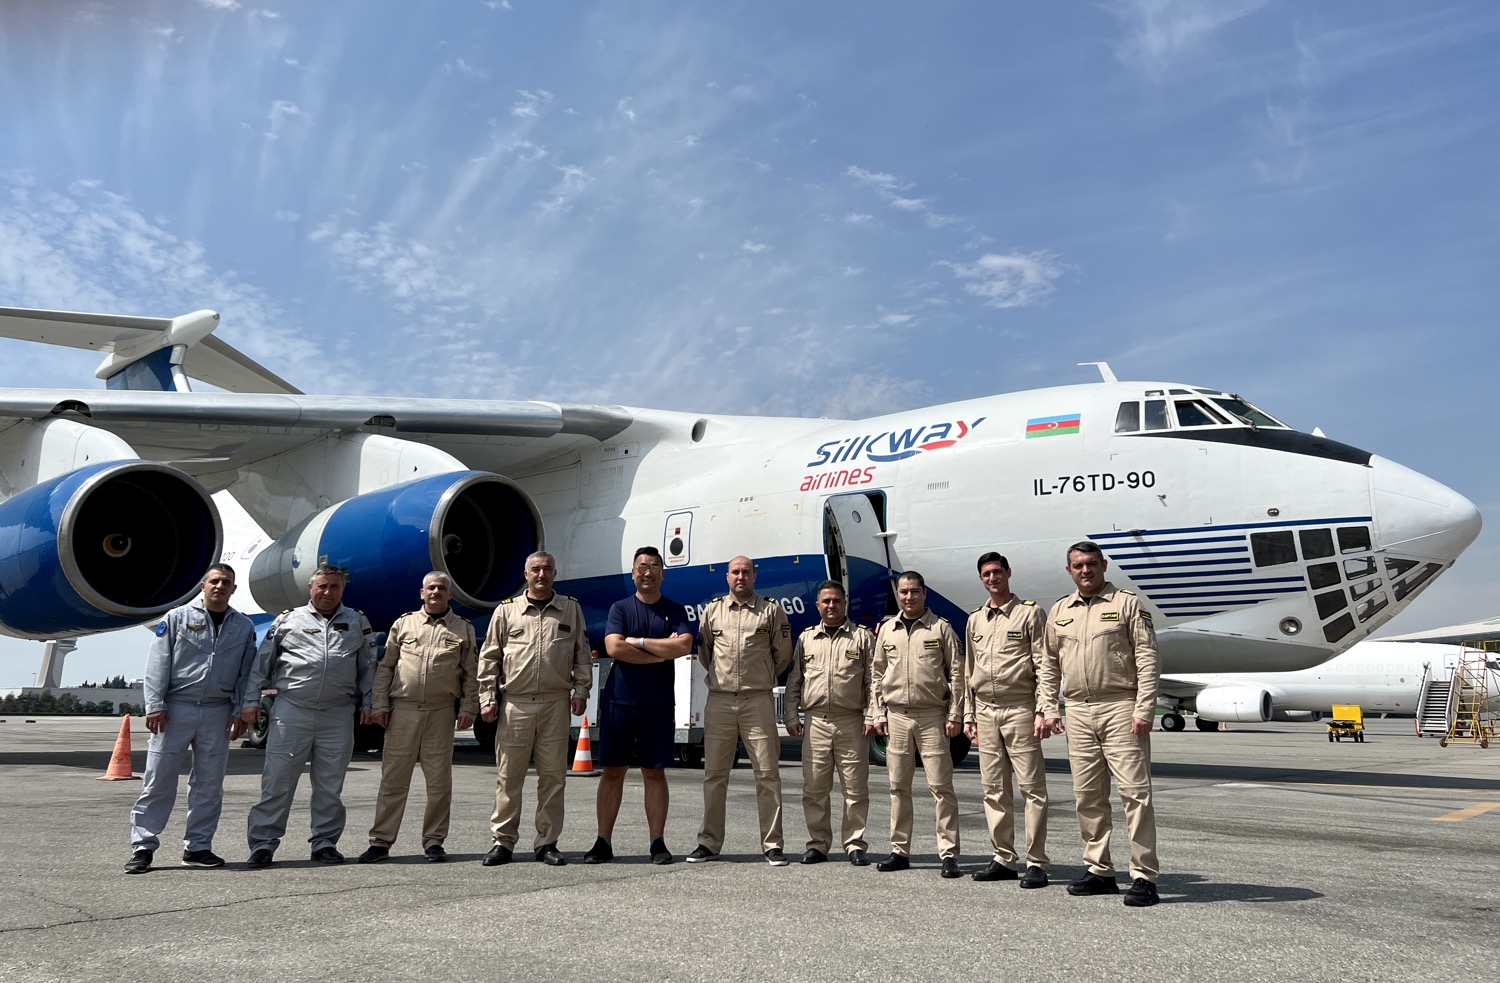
x=1348 y=721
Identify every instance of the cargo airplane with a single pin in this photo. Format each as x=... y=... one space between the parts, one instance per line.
x=1379 y=675
x=1253 y=545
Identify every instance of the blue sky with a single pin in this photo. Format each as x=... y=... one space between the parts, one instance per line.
x=861 y=207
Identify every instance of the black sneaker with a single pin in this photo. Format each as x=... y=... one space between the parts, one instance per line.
x=701 y=854
x=201 y=858
x=996 y=871
x=601 y=852
x=550 y=855
x=660 y=855
x=497 y=856
x=859 y=858
x=259 y=859
x=896 y=861
x=327 y=855
x=436 y=854
x=374 y=855
x=1141 y=894
x=814 y=856
x=950 y=869
x=775 y=857
x=1091 y=883
x=1034 y=877
x=140 y=862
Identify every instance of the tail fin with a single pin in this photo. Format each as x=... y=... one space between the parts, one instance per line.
x=152 y=354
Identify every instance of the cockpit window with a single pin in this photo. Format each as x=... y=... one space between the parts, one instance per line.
x=1128 y=419
x=1244 y=411
x=1197 y=413
x=1156 y=414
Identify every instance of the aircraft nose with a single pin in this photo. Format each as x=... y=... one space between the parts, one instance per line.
x=1417 y=515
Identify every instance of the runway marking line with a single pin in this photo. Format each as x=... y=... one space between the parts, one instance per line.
x=1477 y=809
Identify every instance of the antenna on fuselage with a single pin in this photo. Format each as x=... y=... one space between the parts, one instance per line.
x=1104 y=370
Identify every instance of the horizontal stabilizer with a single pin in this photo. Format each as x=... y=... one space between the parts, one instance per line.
x=125 y=340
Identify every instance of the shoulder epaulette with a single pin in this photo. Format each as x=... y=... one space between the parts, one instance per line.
x=980 y=608
x=1029 y=603
x=507 y=600
x=286 y=610
x=1127 y=590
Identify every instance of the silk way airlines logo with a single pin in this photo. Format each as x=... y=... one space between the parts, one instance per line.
x=892 y=445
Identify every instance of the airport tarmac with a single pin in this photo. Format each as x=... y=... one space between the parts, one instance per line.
x=1283 y=856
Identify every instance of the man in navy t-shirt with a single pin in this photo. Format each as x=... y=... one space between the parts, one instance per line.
x=644 y=634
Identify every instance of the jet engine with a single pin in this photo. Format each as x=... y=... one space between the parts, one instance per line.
x=474 y=526
x=102 y=547
x=1237 y=704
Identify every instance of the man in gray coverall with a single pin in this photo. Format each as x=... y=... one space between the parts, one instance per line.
x=320 y=660
x=195 y=681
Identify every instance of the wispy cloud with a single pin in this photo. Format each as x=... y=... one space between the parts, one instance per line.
x=1158 y=32
x=220 y=4
x=464 y=68
x=530 y=104
x=1005 y=280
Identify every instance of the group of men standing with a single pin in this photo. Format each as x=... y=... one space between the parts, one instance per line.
x=912 y=681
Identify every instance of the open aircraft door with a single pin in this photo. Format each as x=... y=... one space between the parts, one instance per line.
x=855 y=545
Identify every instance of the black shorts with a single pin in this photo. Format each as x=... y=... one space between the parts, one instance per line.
x=644 y=737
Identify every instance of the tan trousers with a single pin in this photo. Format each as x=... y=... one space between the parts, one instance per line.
x=528 y=728
x=1100 y=744
x=921 y=731
x=1008 y=742
x=751 y=717
x=829 y=742
x=413 y=737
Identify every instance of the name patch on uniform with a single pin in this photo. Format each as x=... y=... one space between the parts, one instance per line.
x=1064 y=622
x=932 y=643
x=369 y=631
x=452 y=643
x=762 y=630
x=197 y=627
x=1015 y=634
x=852 y=654
x=564 y=628
x=161 y=628
x=1109 y=616
x=341 y=626
x=517 y=632
x=786 y=630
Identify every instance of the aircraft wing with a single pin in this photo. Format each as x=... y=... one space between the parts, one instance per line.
x=1181 y=687
x=212 y=433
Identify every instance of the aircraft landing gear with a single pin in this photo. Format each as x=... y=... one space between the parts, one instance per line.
x=1172 y=722
x=1206 y=724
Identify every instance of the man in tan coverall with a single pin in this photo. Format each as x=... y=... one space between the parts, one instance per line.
x=917 y=697
x=745 y=642
x=830 y=681
x=535 y=654
x=428 y=664
x=1104 y=645
x=1002 y=662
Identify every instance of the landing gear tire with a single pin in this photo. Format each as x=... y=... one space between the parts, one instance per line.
x=1206 y=724
x=958 y=748
x=691 y=755
x=255 y=737
x=878 y=744
x=1171 y=722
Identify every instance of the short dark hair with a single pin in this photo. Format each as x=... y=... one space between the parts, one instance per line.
x=831 y=585
x=1085 y=546
x=646 y=551
x=222 y=567
x=992 y=557
x=913 y=575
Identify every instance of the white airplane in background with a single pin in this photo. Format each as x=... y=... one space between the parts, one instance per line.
x=1253 y=545
x=1380 y=676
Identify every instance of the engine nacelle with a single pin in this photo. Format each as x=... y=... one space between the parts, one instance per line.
x=103 y=547
x=1237 y=704
x=474 y=526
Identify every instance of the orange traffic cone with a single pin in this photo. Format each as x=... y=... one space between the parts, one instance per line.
x=119 y=762
x=583 y=758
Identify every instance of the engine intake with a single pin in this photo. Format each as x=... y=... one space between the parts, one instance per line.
x=1236 y=704
x=103 y=547
x=476 y=527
